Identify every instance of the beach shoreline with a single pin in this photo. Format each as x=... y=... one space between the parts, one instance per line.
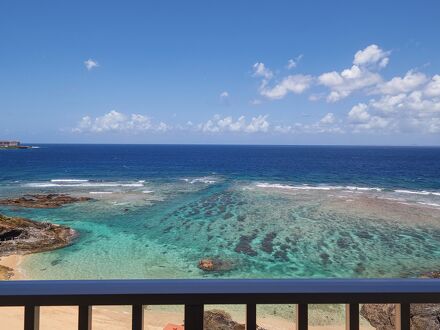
x=14 y=262
x=119 y=317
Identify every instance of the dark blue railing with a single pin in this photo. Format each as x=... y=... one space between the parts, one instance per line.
x=194 y=294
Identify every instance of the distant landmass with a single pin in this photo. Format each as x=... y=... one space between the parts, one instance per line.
x=13 y=145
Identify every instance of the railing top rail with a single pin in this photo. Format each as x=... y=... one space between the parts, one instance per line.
x=222 y=291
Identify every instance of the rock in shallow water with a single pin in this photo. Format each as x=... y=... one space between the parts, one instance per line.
x=215 y=265
x=43 y=201
x=19 y=235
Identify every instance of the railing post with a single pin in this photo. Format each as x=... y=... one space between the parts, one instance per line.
x=31 y=317
x=302 y=317
x=352 y=317
x=193 y=317
x=251 y=317
x=403 y=319
x=84 y=317
x=137 y=317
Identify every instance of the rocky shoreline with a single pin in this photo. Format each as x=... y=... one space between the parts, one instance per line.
x=24 y=236
x=43 y=201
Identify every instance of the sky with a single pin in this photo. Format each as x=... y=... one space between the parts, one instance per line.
x=224 y=72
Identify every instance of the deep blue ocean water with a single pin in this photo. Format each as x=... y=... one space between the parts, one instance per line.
x=268 y=211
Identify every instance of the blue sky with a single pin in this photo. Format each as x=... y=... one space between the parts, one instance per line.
x=266 y=72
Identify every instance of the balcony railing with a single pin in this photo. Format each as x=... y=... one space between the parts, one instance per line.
x=194 y=294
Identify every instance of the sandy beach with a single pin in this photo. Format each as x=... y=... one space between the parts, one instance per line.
x=13 y=262
x=118 y=317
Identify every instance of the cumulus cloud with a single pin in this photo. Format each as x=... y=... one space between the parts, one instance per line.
x=328 y=119
x=115 y=121
x=408 y=83
x=404 y=112
x=360 y=119
x=433 y=87
x=91 y=64
x=371 y=55
x=361 y=75
x=296 y=84
x=220 y=124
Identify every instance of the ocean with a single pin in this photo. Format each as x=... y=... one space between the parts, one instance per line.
x=266 y=211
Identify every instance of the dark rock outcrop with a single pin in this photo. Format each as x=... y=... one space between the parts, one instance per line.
x=220 y=320
x=382 y=316
x=215 y=265
x=423 y=316
x=19 y=235
x=43 y=201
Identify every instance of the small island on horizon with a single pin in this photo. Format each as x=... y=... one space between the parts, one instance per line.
x=13 y=145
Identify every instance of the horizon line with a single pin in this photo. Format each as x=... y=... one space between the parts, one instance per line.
x=234 y=144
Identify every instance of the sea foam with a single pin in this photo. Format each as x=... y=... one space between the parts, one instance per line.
x=307 y=187
x=417 y=192
x=84 y=184
x=205 y=179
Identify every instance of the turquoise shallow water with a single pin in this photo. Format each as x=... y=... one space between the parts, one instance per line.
x=263 y=232
x=158 y=220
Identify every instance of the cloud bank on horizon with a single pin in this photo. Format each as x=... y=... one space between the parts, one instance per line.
x=403 y=104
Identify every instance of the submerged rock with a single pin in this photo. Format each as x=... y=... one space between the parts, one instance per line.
x=19 y=235
x=43 y=201
x=244 y=245
x=220 y=320
x=215 y=265
x=267 y=244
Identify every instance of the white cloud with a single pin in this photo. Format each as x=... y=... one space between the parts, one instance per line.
x=220 y=124
x=292 y=63
x=328 y=119
x=349 y=80
x=404 y=112
x=433 y=87
x=260 y=70
x=163 y=127
x=296 y=84
x=361 y=120
x=224 y=98
x=91 y=64
x=327 y=124
x=359 y=113
x=114 y=121
x=361 y=75
x=371 y=55
x=408 y=83
x=224 y=95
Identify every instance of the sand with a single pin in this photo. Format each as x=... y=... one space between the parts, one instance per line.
x=14 y=262
x=116 y=317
